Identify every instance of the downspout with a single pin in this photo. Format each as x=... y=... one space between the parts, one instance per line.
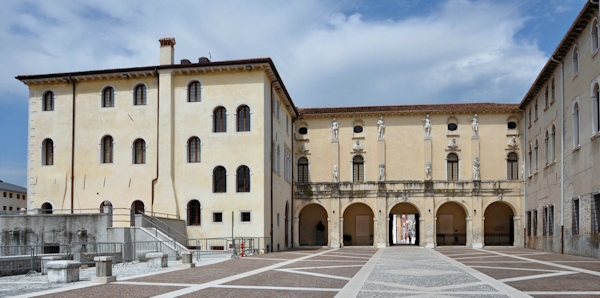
x=271 y=169
x=524 y=177
x=291 y=218
x=73 y=147
x=157 y=136
x=562 y=155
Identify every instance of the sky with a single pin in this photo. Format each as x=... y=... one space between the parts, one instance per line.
x=328 y=53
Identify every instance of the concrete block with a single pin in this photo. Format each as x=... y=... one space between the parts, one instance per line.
x=186 y=260
x=45 y=260
x=63 y=271
x=157 y=260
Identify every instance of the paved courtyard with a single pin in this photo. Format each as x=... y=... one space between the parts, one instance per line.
x=349 y=272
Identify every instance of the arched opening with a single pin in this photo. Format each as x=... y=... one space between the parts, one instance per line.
x=47 y=208
x=313 y=228
x=358 y=225
x=106 y=207
x=193 y=213
x=498 y=226
x=451 y=225
x=404 y=225
x=287 y=224
x=137 y=207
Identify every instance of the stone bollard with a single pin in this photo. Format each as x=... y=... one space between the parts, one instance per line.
x=187 y=260
x=63 y=271
x=157 y=260
x=103 y=270
x=45 y=260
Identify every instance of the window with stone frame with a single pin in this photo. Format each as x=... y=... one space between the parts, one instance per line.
x=358 y=169
x=551 y=220
x=219 y=180
x=108 y=97
x=512 y=166
x=243 y=179
x=48 y=101
x=545 y=221
x=193 y=150
x=139 y=95
x=302 y=170
x=107 y=150
x=220 y=119
x=139 y=151
x=194 y=92
x=575 y=219
x=243 y=118
x=193 y=213
x=528 y=217
x=47 y=152
x=534 y=223
x=452 y=167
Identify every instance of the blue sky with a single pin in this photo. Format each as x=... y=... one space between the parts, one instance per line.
x=329 y=53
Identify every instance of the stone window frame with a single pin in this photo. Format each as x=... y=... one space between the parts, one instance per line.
x=48 y=100
x=48 y=150
x=198 y=94
x=188 y=210
x=136 y=155
x=103 y=99
x=197 y=154
x=142 y=89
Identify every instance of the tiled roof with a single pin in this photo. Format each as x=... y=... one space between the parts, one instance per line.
x=450 y=107
x=12 y=188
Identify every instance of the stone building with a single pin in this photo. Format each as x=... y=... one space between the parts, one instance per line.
x=561 y=112
x=456 y=168
x=12 y=198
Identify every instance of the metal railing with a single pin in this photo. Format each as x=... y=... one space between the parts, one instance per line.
x=151 y=220
x=19 y=259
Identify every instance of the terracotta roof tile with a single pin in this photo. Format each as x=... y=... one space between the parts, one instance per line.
x=422 y=108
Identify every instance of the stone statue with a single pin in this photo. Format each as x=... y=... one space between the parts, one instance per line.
x=381 y=127
x=335 y=173
x=428 y=169
x=476 y=169
x=512 y=144
x=335 y=127
x=452 y=144
x=303 y=148
x=357 y=146
x=382 y=172
x=427 y=126
x=475 y=125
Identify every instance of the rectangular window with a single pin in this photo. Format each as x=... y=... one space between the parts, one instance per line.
x=10 y=208
x=24 y=197
x=545 y=222
x=5 y=194
x=551 y=220
x=10 y=195
x=3 y=207
x=277 y=219
x=18 y=196
x=534 y=223
x=528 y=215
x=575 y=218
x=245 y=216
x=596 y=214
x=217 y=216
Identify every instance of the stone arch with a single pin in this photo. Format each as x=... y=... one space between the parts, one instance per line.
x=451 y=223
x=498 y=224
x=404 y=224
x=310 y=233
x=358 y=226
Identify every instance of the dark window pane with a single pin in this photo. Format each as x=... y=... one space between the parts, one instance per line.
x=358 y=129
x=452 y=126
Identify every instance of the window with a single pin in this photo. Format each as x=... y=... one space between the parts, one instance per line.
x=18 y=196
x=47 y=208
x=358 y=129
x=217 y=216
x=512 y=166
x=575 y=217
x=596 y=214
x=278 y=160
x=534 y=223
x=220 y=120
x=139 y=95
x=551 y=220
x=10 y=195
x=594 y=34
x=452 y=167
x=245 y=216
x=243 y=118
x=596 y=108
x=108 y=97
x=553 y=90
x=536 y=109
x=277 y=219
x=48 y=101
x=278 y=108
x=553 y=138
x=243 y=179
x=546 y=101
x=287 y=123
x=575 y=60
x=303 y=170
x=536 y=157
x=139 y=151
x=48 y=152
x=107 y=149
x=529 y=116
x=576 y=124
x=452 y=126
x=545 y=222
x=530 y=160
x=194 y=89
x=358 y=169
x=546 y=149
x=303 y=130
x=193 y=213
x=193 y=149
x=511 y=125
x=219 y=179
x=528 y=215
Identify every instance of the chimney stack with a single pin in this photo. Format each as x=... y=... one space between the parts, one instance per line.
x=167 y=51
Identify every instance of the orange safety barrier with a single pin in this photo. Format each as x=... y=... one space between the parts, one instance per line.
x=242 y=249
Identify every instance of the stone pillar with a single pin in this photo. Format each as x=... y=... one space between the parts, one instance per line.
x=187 y=260
x=477 y=224
x=297 y=232
x=469 y=232
x=341 y=231
x=379 y=224
x=422 y=242
x=45 y=260
x=430 y=223
x=103 y=270
x=333 y=218
x=518 y=231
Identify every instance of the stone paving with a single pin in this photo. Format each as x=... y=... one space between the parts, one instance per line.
x=406 y=271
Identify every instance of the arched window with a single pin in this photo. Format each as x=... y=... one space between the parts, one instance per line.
x=47 y=152
x=47 y=208
x=358 y=169
x=108 y=97
x=536 y=109
x=278 y=159
x=107 y=149
x=452 y=167
x=302 y=170
x=530 y=160
x=243 y=118
x=546 y=95
x=220 y=120
x=139 y=95
x=575 y=60
x=48 y=101
x=138 y=207
x=596 y=108
x=193 y=149
x=594 y=33
x=194 y=89
x=552 y=90
x=219 y=179
x=576 y=124
x=512 y=166
x=193 y=213
x=139 y=151
x=243 y=179
x=546 y=149
x=553 y=136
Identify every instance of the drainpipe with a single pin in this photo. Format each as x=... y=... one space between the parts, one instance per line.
x=524 y=177
x=562 y=155
x=291 y=217
x=74 y=83
x=157 y=137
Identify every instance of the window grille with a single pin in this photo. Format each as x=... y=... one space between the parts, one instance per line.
x=358 y=169
x=575 y=217
x=219 y=179
x=48 y=152
x=243 y=118
x=140 y=95
x=217 y=216
x=194 y=92
x=107 y=149
x=303 y=170
x=534 y=223
x=243 y=179
x=48 y=102
x=220 y=120
x=193 y=212
x=551 y=220
x=139 y=154
x=193 y=148
x=545 y=222
x=452 y=164
x=108 y=97
x=596 y=214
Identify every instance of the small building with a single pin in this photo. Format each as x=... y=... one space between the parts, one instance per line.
x=13 y=198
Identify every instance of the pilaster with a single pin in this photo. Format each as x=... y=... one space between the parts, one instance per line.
x=297 y=234
x=429 y=223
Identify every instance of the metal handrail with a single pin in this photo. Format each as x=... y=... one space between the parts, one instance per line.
x=185 y=238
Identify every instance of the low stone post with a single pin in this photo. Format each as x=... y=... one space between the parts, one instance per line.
x=63 y=271
x=103 y=270
x=157 y=260
x=45 y=260
x=187 y=260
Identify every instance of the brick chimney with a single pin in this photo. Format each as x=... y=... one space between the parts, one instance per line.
x=167 y=51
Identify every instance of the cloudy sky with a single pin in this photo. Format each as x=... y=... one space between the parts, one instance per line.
x=329 y=53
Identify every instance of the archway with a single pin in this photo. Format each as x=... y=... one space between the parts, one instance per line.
x=313 y=229
x=137 y=207
x=451 y=225
x=404 y=224
x=358 y=225
x=498 y=225
x=47 y=208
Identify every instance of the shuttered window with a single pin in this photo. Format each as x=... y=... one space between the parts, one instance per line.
x=358 y=169
x=452 y=169
x=303 y=170
x=512 y=166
